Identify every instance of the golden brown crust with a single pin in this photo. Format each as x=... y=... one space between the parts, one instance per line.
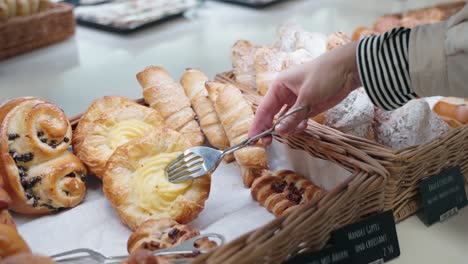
x=93 y=113
x=29 y=258
x=337 y=39
x=11 y=242
x=162 y=93
x=6 y=218
x=139 y=162
x=282 y=191
x=114 y=128
x=268 y=64
x=39 y=173
x=164 y=233
x=236 y=116
x=453 y=110
x=193 y=81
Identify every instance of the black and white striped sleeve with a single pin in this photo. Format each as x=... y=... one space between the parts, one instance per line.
x=383 y=68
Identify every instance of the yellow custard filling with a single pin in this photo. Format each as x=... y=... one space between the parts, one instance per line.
x=127 y=130
x=154 y=192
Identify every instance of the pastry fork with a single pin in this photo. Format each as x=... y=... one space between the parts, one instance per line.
x=188 y=247
x=198 y=161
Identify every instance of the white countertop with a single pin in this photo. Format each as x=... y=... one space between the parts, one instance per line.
x=94 y=63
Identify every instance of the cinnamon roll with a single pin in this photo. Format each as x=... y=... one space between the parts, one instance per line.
x=39 y=173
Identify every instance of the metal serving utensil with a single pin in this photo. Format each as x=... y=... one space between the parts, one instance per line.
x=188 y=247
x=199 y=161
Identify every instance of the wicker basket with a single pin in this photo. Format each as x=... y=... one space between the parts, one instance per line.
x=308 y=227
x=54 y=23
x=406 y=167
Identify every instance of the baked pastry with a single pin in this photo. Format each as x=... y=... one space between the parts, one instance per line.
x=297 y=57
x=282 y=191
x=363 y=32
x=11 y=242
x=6 y=218
x=28 y=258
x=386 y=23
x=237 y=116
x=337 y=39
x=137 y=187
x=427 y=15
x=93 y=113
x=314 y=43
x=452 y=110
x=162 y=93
x=268 y=64
x=354 y=115
x=193 y=82
x=39 y=173
x=115 y=127
x=144 y=256
x=286 y=41
x=242 y=58
x=410 y=125
x=164 y=233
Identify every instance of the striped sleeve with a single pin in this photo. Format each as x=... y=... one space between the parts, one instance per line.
x=383 y=68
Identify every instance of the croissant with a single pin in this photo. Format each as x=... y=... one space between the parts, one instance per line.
x=39 y=173
x=11 y=242
x=164 y=233
x=162 y=93
x=193 y=82
x=242 y=58
x=115 y=127
x=282 y=191
x=268 y=64
x=236 y=116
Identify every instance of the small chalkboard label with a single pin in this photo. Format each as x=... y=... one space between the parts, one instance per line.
x=442 y=195
x=372 y=240
x=330 y=255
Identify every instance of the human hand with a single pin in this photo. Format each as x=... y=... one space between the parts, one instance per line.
x=319 y=84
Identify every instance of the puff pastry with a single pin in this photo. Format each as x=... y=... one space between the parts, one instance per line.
x=236 y=115
x=93 y=113
x=136 y=184
x=115 y=127
x=39 y=173
x=268 y=64
x=193 y=82
x=242 y=58
x=11 y=242
x=162 y=93
x=282 y=191
x=164 y=233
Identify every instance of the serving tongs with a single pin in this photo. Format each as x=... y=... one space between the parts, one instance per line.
x=187 y=247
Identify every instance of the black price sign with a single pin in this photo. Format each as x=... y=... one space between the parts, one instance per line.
x=331 y=255
x=442 y=195
x=372 y=240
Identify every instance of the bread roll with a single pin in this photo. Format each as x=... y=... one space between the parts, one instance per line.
x=162 y=93
x=242 y=58
x=237 y=116
x=286 y=41
x=193 y=82
x=453 y=110
x=39 y=173
x=268 y=64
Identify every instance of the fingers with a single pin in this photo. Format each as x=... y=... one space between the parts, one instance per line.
x=294 y=123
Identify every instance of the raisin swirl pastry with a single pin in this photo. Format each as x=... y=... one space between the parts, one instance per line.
x=164 y=233
x=136 y=184
x=115 y=127
x=236 y=116
x=165 y=95
x=39 y=173
x=280 y=192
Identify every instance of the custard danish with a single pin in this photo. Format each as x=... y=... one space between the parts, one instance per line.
x=39 y=173
x=162 y=93
x=236 y=116
x=137 y=186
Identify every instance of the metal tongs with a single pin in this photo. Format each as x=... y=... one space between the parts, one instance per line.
x=198 y=161
x=188 y=247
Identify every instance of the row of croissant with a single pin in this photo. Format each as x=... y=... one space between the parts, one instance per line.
x=128 y=146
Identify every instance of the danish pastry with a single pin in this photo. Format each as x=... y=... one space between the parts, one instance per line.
x=114 y=128
x=282 y=191
x=137 y=186
x=268 y=64
x=162 y=93
x=164 y=233
x=242 y=58
x=193 y=82
x=93 y=113
x=39 y=173
x=236 y=115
